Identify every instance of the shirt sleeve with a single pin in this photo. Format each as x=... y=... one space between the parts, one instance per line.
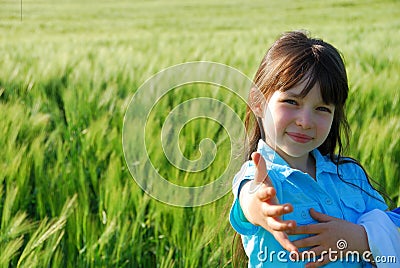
x=236 y=217
x=383 y=237
x=380 y=225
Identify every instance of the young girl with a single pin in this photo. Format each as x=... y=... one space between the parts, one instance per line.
x=293 y=179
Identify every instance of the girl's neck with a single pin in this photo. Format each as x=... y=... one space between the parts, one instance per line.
x=311 y=166
x=305 y=163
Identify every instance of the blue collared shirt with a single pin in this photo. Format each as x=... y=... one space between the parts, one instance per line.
x=328 y=194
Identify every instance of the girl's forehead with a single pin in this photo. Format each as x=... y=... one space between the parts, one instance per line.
x=314 y=94
x=298 y=89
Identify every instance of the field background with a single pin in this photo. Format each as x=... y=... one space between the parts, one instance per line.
x=68 y=70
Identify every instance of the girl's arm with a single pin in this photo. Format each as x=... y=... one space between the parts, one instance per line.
x=260 y=206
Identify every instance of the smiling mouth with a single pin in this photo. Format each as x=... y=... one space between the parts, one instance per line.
x=297 y=137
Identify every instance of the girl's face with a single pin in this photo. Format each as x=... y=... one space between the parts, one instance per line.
x=295 y=126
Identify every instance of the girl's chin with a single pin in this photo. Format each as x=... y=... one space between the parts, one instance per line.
x=294 y=153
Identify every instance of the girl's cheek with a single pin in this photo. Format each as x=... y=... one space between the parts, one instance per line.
x=325 y=124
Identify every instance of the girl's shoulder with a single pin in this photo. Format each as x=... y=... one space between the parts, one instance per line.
x=334 y=163
x=350 y=164
x=348 y=168
x=353 y=174
x=341 y=160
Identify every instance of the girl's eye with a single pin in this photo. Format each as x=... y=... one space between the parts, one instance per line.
x=293 y=102
x=324 y=109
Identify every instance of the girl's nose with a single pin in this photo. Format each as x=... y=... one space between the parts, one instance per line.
x=304 y=119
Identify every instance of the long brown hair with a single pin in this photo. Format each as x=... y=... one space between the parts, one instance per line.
x=292 y=58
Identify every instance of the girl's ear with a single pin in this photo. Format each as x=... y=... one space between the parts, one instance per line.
x=257 y=102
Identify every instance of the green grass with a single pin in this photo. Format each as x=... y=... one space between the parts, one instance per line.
x=68 y=72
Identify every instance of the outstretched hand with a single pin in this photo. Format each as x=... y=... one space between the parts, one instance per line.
x=261 y=207
x=328 y=234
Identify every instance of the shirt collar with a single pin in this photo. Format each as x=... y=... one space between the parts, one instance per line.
x=276 y=163
x=324 y=163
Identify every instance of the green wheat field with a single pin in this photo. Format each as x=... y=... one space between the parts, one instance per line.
x=68 y=71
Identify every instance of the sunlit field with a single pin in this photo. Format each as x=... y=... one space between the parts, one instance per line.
x=68 y=71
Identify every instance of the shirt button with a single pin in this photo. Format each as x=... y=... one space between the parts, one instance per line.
x=304 y=214
x=328 y=201
x=357 y=205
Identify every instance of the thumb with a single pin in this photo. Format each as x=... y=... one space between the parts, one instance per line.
x=261 y=178
x=320 y=217
x=261 y=175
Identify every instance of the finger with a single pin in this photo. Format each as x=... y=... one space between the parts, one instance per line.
x=307 y=242
x=284 y=241
x=275 y=224
x=266 y=193
x=276 y=210
x=321 y=217
x=316 y=251
x=307 y=229
x=261 y=175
